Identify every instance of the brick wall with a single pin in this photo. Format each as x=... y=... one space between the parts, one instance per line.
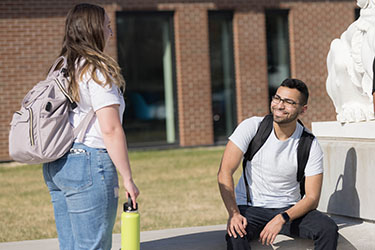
x=193 y=75
x=31 y=34
x=313 y=26
x=26 y=54
x=250 y=50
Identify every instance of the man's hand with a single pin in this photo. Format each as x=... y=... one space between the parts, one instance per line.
x=236 y=225
x=271 y=230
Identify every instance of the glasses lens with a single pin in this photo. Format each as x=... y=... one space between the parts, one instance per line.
x=276 y=99
x=290 y=102
x=287 y=102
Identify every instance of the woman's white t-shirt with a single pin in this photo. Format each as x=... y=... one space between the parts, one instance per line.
x=95 y=96
x=272 y=173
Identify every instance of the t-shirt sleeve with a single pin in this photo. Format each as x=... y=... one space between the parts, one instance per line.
x=245 y=132
x=102 y=96
x=314 y=164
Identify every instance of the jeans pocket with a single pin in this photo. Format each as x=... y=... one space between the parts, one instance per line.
x=73 y=171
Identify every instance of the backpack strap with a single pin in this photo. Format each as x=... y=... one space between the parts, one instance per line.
x=303 y=153
x=263 y=132
x=373 y=85
x=62 y=82
x=58 y=60
x=83 y=125
x=61 y=79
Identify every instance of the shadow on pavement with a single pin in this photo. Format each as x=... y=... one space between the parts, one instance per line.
x=213 y=240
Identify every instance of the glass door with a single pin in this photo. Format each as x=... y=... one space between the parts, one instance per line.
x=278 y=58
x=222 y=74
x=145 y=54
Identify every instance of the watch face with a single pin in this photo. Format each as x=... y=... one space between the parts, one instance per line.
x=285 y=216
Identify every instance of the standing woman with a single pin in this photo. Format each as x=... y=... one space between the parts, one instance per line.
x=83 y=184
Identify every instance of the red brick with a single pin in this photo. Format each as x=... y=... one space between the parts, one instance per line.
x=31 y=33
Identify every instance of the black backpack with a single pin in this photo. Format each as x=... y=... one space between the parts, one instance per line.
x=262 y=134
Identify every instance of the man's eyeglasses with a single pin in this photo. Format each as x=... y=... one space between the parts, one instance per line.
x=287 y=102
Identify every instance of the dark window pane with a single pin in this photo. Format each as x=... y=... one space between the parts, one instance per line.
x=145 y=55
x=222 y=74
x=277 y=48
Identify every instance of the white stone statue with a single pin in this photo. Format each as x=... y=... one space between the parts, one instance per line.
x=349 y=61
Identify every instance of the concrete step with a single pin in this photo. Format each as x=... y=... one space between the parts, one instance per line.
x=354 y=234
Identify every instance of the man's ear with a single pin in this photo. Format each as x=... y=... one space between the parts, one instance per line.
x=303 y=110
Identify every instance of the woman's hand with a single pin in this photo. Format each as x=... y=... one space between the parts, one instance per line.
x=132 y=190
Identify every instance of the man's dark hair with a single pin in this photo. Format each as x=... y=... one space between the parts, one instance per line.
x=300 y=86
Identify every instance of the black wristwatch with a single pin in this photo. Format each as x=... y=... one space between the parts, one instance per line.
x=285 y=216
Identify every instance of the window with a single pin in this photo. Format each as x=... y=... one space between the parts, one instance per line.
x=277 y=48
x=222 y=73
x=145 y=53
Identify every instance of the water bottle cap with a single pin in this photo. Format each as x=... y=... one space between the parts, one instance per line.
x=128 y=206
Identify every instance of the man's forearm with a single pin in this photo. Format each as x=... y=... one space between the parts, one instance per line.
x=313 y=185
x=226 y=187
x=302 y=207
x=231 y=159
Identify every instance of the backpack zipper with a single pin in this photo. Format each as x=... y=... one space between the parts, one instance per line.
x=62 y=89
x=31 y=134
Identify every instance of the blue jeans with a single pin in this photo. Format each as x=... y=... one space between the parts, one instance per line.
x=313 y=225
x=84 y=189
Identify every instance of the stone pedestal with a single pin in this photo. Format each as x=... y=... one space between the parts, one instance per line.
x=349 y=168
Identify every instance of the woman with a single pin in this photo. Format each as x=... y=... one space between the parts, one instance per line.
x=83 y=184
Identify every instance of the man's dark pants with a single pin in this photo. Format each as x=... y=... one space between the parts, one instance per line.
x=314 y=225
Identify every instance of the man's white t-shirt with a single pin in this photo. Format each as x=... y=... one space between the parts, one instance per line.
x=272 y=173
x=95 y=96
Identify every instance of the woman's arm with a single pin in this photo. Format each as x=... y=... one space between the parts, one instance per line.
x=115 y=142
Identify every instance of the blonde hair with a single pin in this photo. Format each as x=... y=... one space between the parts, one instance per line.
x=84 y=40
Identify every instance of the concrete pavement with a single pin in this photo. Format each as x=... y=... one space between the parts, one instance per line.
x=354 y=234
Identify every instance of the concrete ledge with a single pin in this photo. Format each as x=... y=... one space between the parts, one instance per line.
x=334 y=129
x=354 y=234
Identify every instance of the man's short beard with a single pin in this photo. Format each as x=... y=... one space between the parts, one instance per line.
x=284 y=120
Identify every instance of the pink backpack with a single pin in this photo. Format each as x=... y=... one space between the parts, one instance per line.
x=40 y=131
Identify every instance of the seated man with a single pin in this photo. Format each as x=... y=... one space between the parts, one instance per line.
x=274 y=205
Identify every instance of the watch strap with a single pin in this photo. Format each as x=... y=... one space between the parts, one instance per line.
x=285 y=216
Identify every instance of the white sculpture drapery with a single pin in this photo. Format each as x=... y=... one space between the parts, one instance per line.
x=350 y=68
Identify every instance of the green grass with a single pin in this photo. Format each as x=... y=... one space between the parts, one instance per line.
x=178 y=189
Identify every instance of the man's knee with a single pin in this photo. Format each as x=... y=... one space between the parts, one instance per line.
x=238 y=243
x=321 y=225
x=328 y=227
x=331 y=227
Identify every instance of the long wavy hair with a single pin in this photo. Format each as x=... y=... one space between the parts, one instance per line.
x=84 y=39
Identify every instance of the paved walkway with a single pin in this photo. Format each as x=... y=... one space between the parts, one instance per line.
x=354 y=235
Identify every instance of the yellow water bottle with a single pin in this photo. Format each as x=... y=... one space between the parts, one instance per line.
x=130 y=229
